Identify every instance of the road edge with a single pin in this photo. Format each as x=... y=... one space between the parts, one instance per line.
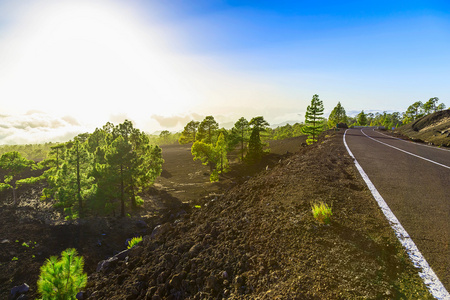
x=434 y=285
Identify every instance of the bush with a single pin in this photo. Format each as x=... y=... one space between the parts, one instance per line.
x=321 y=212
x=134 y=241
x=64 y=278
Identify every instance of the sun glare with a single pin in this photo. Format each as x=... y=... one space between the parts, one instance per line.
x=91 y=60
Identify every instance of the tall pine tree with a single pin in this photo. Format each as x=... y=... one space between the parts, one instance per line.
x=14 y=164
x=313 y=120
x=240 y=134
x=337 y=116
x=255 y=145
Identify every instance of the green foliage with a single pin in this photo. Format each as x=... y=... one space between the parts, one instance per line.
x=419 y=109
x=413 y=112
x=321 y=212
x=164 y=136
x=213 y=155
x=337 y=116
x=126 y=165
x=313 y=120
x=14 y=164
x=167 y=138
x=90 y=173
x=239 y=136
x=255 y=145
x=284 y=132
x=430 y=106
x=134 y=241
x=221 y=151
x=35 y=152
x=4 y=186
x=361 y=119
x=189 y=132
x=207 y=130
x=63 y=278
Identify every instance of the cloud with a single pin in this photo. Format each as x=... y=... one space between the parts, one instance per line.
x=37 y=127
x=71 y=120
x=176 y=121
x=119 y=118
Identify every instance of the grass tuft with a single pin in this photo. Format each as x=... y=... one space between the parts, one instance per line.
x=321 y=212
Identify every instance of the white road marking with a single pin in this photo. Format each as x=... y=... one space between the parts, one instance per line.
x=412 y=154
x=427 y=274
x=423 y=145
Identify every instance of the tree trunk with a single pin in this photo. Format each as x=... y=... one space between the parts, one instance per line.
x=14 y=195
x=122 y=196
x=242 y=145
x=133 y=196
x=80 y=201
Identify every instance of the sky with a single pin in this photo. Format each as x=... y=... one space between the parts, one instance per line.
x=69 y=66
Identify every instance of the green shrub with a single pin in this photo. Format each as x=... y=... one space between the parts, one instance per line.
x=321 y=212
x=64 y=278
x=134 y=241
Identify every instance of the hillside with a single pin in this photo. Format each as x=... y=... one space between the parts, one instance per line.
x=433 y=128
x=258 y=240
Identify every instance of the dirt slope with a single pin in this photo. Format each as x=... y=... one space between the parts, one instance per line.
x=434 y=129
x=260 y=241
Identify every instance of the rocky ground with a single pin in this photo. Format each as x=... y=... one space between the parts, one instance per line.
x=260 y=241
x=250 y=236
x=432 y=129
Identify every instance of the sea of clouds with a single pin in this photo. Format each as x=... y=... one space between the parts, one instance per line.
x=37 y=127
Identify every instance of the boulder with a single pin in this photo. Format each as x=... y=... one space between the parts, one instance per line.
x=104 y=265
x=160 y=230
x=123 y=254
x=17 y=291
x=141 y=224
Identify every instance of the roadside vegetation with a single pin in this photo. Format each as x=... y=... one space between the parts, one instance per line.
x=101 y=173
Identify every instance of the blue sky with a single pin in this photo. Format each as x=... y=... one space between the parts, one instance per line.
x=172 y=61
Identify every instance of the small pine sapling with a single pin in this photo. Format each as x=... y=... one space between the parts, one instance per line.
x=63 y=278
x=134 y=241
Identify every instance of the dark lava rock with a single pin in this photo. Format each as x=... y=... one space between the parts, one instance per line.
x=104 y=265
x=17 y=291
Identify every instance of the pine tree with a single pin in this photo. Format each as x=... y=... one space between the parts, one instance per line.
x=207 y=155
x=70 y=183
x=125 y=167
x=337 y=116
x=14 y=164
x=62 y=279
x=255 y=145
x=207 y=130
x=221 y=150
x=362 y=118
x=413 y=112
x=239 y=135
x=313 y=120
x=189 y=133
x=213 y=155
x=118 y=158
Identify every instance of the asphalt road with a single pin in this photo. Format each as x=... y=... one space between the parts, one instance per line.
x=416 y=188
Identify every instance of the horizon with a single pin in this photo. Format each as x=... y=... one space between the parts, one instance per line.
x=69 y=67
